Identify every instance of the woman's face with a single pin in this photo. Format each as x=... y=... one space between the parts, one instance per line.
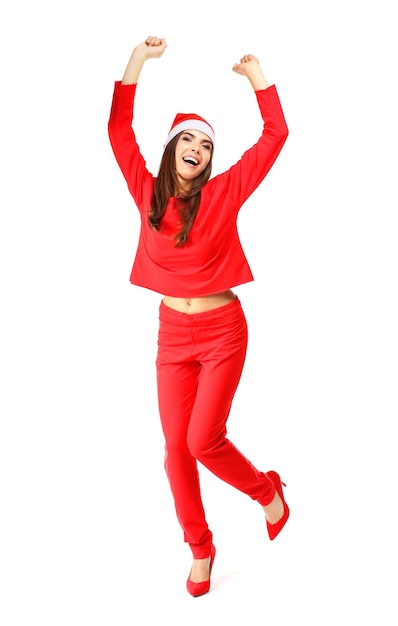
x=192 y=154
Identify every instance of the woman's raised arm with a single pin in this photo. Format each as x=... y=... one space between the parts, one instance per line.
x=151 y=48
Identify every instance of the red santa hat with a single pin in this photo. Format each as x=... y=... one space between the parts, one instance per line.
x=185 y=121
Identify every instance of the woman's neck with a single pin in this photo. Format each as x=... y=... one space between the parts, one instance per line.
x=182 y=189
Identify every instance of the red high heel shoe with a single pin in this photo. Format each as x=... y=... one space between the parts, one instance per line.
x=275 y=529
x=198 y=589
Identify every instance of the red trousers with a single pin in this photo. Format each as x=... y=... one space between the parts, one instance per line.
x=199 y=364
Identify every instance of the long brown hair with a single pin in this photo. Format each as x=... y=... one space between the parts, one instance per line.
x=165 y=188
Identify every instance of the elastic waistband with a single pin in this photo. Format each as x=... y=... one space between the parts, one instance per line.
x=220 y=315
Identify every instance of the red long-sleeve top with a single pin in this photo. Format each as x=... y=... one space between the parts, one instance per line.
x=212 y=260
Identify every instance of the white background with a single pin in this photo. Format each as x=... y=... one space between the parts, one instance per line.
x=88 y=533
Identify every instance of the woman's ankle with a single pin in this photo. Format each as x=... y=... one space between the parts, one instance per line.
x=274 y=510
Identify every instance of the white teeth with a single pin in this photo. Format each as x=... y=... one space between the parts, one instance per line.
x=191 y=160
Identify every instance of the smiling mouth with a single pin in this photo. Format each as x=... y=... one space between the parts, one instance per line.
x=190 y=161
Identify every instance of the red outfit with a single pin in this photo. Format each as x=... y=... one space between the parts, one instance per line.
x=200 y=356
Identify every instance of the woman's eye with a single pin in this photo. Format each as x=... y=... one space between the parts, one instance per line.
x=186 y=138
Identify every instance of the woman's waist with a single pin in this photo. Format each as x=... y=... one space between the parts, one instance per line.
x=200 y=304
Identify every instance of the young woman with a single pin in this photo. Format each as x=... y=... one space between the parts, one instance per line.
x=189 y=251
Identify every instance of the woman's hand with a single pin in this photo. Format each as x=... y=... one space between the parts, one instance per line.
x=246 y=64
x=249 y=66
x=151 y=48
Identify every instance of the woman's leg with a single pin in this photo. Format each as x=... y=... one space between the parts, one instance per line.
x=221 y=350
x=177 y=378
